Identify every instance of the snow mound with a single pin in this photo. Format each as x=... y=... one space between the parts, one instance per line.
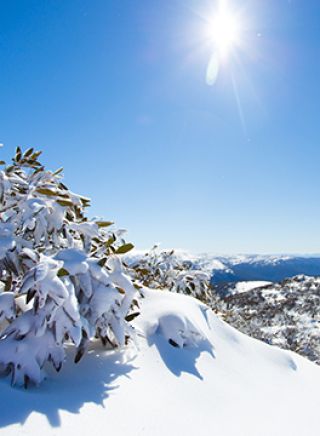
x=181 y=325
x=216 y=381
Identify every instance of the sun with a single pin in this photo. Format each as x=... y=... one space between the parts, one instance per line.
x=224 y=36
x=224 y=30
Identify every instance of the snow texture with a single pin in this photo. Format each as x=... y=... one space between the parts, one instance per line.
x=225 y=383
x=286 y=314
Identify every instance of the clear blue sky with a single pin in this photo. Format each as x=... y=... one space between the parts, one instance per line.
x=115 y=92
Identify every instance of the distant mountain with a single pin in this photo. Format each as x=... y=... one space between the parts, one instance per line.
x=266 y=268
x=226 y=269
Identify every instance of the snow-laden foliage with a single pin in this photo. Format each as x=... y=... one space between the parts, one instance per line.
x=164 y=270
x=285 y=314
x=61 y=276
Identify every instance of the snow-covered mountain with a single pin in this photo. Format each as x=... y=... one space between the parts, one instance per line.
x=226 y=269
x=268 y=268
x=286 y=314
x=221 y=382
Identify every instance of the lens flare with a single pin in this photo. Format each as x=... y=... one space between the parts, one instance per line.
x=223 y=33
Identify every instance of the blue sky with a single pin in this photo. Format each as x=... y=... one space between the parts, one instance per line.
x=115 y=92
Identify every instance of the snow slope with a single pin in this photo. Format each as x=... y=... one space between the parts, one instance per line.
x=226 y=384
x=286 y=314
x=240 y=287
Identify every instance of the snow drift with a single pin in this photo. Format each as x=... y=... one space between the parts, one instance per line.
x=220 y=382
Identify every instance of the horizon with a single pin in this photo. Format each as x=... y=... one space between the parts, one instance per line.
x=177 y=250
x=214 y=155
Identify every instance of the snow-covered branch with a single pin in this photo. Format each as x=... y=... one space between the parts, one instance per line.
x=61 y=276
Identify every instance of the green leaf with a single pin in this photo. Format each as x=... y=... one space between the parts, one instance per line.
x=80 y=353
x=62 y=186
x=36 y=171
x=28 y=152
x=110 y=241
x=18 y=154
x=58 y=171
x=135 y=303
x=8 y=284
x=65 y=203
x=102 y=261
x=2 y=162
x=36 y=155
x=104 y=223
x=46 y=191
x=31 y=293
x=84 y=198
x=136 y=286
x=124 y=248
x=132 y=316
x=143 y=271
x=85 y=202
x=62 y=272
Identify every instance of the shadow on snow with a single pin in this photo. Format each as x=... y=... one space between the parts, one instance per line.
x=90 y=381
x=93 y=380
x=179 y=360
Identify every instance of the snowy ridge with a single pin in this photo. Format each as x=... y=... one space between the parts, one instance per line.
x=225 y=269
x=286 y=314
x=266 y=268
x=161 y=389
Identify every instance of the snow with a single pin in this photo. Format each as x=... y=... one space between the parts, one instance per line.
x=222 y=382
x=248 y=286
x=285 y=314
x=204 y=262
x=224 y=269
x=63 y=271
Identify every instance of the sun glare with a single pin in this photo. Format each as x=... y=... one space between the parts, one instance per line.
x=223 y=30
x=223 y=33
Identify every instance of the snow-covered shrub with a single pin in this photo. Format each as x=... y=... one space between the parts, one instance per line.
x=61 y=277
x=164 y=270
